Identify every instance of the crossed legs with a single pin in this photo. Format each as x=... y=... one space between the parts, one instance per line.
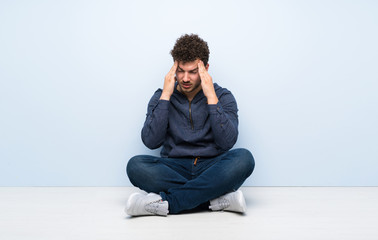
x=186 y=182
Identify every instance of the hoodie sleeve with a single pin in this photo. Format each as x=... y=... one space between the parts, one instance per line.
x=156 y=123
x=224 y=121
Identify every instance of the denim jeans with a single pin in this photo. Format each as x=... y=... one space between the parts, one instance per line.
x=187 y=183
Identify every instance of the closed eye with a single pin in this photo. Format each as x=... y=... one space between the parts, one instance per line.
x=194 y=71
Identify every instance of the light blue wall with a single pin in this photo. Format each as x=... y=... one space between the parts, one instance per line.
x=76 y=76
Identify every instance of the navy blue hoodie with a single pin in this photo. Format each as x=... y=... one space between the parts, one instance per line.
x=191 y=129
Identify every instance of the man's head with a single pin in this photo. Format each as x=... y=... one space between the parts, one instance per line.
x=189 y=48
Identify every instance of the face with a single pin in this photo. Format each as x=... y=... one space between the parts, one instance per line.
x=188 y=78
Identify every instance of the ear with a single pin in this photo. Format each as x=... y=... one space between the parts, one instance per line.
x=207 y=67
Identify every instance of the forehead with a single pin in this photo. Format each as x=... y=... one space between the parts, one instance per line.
x=188 y=66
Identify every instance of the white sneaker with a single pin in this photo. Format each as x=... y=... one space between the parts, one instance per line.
x=140 y=204
x=233 y=201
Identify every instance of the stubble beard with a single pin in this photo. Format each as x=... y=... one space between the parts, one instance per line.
x=190 y=90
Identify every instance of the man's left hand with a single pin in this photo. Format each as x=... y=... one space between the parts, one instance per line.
x=207 y=84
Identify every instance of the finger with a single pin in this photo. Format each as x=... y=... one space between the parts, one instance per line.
x=203 y=73
x=203 y=70
x=201 y=67
x=200 y=64
x=174 y=67
x=204 y=78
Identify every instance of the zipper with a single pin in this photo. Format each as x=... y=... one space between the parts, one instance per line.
x=190 y=115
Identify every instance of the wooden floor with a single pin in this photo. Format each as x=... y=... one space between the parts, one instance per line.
x=288 y=213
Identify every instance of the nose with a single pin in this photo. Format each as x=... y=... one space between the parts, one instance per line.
x=186 y=77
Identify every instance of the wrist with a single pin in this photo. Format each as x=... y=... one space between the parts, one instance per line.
x=212 y=100
x=165 y=96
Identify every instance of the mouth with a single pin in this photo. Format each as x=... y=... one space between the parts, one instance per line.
x=186 y=85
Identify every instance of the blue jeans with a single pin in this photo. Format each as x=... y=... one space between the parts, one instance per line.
x=187 y=183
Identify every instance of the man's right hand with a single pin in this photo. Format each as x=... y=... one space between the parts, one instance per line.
x=169 y=83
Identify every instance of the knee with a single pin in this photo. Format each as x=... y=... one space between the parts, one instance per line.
x=245 y=160
x=133 y=166
x=130 y=165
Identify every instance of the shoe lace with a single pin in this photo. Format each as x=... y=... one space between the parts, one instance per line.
x=154 y=207
x=222 y=203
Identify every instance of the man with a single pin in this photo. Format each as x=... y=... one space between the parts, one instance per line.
x=196 y=122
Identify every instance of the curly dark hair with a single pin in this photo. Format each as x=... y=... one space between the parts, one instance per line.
x=189 y=48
